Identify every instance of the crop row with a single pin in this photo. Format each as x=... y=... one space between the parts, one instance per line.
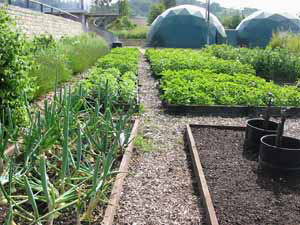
x=195 y=77
x=205 y=87
x=180 y=59
x=63 y=163
x=118 y=71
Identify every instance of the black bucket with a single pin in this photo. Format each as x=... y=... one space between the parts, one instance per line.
x=285 y=159
x=117 y=44
x=255 y=131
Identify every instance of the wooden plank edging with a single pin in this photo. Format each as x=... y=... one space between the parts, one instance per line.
x=206 y=198
x=118 y=184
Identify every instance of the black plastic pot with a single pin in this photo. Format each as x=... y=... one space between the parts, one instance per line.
x=284 y=159
x=117 y=44
x=255 y=131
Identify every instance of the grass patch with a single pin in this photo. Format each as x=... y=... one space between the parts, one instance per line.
x=143 y=144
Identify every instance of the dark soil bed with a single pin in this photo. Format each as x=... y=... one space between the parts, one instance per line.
x=242 y=193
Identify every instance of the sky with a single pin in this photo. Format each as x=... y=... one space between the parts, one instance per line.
x=292 y=6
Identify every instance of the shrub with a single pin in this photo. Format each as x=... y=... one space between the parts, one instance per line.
x=42 y=42
x=155 y=11
x=277 y=64
x=15 y=62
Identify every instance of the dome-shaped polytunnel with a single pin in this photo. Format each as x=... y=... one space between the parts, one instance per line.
x=184 y=26
x=256 y=30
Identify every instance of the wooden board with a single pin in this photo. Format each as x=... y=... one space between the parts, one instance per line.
x=118 y=184
x=198 y=170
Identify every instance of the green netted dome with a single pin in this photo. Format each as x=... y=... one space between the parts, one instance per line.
x=256 y=30
x=184 y=26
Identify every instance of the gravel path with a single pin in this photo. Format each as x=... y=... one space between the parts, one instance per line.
x=160 y=188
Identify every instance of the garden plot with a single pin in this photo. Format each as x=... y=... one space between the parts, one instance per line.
x=61 y=167
x=197 y=81
x=240 y=191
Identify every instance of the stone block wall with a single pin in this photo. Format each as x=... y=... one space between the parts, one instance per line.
x=35 y=23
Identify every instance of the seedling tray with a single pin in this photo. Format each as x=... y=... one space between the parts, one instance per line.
x=235 y=189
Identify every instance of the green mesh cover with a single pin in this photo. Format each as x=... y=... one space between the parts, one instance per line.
x=184 y=26
x=256 y=30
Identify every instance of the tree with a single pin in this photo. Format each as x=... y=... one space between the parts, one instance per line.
x=155 y=11
x=231 y=22
x=123 y=8
x=168 y=3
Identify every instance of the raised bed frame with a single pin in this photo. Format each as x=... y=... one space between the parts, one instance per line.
x=230 y=111
x=199 y=173
x=117 y=187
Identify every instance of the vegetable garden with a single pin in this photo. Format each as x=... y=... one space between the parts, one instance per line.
x=59 y=165
x=219 y=75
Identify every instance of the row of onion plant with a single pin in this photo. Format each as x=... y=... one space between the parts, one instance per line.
x=65 y=161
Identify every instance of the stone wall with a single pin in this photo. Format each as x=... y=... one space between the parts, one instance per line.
x=35 y=23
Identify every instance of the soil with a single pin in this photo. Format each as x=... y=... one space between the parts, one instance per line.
x=242 y=192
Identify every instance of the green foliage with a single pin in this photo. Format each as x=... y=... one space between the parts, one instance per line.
x=277 y=64
x=232 y=21
x=155 y=11
x=204 y=87
x=65 y=165
x=63 y=58
x=286 y=40
x=116 y=72
x=51 y=67
x=42 y=42
x=15 y=62
x=122 y=23
x=124 y=59
x=82 y=51
x=139 y=32
x=143 y=144
x=123 y=8
x=168 y=3
x=104 y=79
x=127 y=87
x=179 y=59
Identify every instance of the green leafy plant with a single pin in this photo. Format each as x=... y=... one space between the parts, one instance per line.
x=273 y=64
x=179 y=59
x=205 y=87
x=15 y=63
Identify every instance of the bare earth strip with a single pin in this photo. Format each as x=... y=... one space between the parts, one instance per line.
x=160 y=188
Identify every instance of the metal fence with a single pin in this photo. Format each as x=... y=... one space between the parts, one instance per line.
x=49 y=6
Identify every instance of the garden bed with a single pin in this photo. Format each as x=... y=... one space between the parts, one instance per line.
x=104 y=215
x=241 y=192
